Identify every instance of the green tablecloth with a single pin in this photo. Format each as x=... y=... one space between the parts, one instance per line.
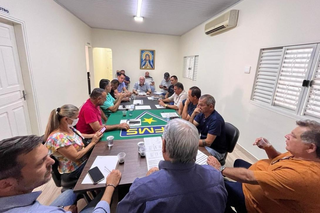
x=152 y=124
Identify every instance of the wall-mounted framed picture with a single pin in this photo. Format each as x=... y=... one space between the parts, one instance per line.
x=147 y=59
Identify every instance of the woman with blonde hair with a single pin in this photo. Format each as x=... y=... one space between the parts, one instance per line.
x=65 y=143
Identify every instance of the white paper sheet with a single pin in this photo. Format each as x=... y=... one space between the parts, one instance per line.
x=159 y=106
x=169 y=114
x=110 y=162
x=157 y=93
x=142 y=93
x=154 y=153
x=125 y=107
x=201 y=158
x=143 y=107
x=135 y=102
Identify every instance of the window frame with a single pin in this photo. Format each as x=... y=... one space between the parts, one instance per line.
x=305 y=93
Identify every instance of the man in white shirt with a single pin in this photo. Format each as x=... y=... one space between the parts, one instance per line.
x=149 y=80
x=178 y=96
x=141 y=86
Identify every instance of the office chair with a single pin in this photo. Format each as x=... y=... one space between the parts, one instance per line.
x=232 y=135
x=56 y=176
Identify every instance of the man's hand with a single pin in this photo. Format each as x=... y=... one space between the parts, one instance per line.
x=123 y=126
x=187 y=102
x=96 y=137
x=196 y=111
x=262 y=143
x=152 y=170
x=212 y=161
x=114 y=177
x=161 y=103
x=72 y=208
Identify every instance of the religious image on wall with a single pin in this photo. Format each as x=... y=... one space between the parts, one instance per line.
x=147 y=59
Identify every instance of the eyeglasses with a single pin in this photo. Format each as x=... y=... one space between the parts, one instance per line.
x=284 y=158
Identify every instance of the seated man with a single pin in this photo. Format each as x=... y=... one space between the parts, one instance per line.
x=114 y=85
x=111 y=104
x=25 y=165
x=122 y=86
x=188 y=105
x=211 y=127
x=141 y=86
x=287 y=182
x=90 y=114
x=126 y=79
x=178 y=96
x=180 y=185
x=173 y=80
x=149 y=80
x=165 y=83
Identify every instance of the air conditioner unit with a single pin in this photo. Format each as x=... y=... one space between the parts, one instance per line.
x=224 y=22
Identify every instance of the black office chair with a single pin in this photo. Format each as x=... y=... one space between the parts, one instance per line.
x=232 y=135
x=56 y=176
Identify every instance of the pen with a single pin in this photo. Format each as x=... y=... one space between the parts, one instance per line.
x=106 y=168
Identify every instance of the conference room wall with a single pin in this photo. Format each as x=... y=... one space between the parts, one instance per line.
x=126 y=48
x=56 y=48
x=222 y=59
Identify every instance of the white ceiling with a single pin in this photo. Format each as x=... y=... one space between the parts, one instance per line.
x=170 y=17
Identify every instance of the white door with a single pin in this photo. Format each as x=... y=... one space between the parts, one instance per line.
x=14 y=118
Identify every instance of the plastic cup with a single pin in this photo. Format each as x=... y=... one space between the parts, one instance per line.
x=141 y=149
x=121 y=157
x=110 y=141
x=124 y=113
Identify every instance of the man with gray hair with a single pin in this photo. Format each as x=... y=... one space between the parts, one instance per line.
x=141 y=86
x=211 y=127
x=179 y=185
x=285 y=182
x=90 y=114
x=26 y=165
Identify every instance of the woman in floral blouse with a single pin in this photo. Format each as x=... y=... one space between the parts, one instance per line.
x=65 y=143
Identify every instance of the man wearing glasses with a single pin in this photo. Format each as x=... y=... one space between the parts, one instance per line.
x=287 y=182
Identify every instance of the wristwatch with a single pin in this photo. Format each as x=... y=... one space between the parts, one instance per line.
x=165 y=105
x=221 y=170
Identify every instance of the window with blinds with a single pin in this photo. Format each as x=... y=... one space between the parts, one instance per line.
x=190 y=67
x=288 y=78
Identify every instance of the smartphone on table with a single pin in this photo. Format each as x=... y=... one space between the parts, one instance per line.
x=96 y=175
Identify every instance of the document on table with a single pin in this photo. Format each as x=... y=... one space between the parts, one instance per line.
x=135 y=102
x=153 y=151
x=125 y=107
x=159 y=106
x=143 y=107
x=105 y=164
x=169 y=114
x=142 y=93
x=157 y=93
x=201 y=158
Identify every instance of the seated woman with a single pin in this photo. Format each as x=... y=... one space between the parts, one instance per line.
x=111 y=104
x=65 y=143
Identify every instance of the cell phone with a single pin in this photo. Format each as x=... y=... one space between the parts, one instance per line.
x=134 y=122
x=103 y=129
x=96 y=175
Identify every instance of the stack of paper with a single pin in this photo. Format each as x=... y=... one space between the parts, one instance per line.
x=105 y=164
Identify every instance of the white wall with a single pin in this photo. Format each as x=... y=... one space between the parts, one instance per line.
x=56 y=45
x=222 y=58
x=126 y=47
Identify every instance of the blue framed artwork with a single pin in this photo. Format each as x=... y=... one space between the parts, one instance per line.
x=147 y=59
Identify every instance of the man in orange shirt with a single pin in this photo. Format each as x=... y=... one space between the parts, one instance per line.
x=287 y=182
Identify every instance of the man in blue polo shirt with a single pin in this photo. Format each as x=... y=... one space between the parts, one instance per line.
x=188 y=105
x=211 y=126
